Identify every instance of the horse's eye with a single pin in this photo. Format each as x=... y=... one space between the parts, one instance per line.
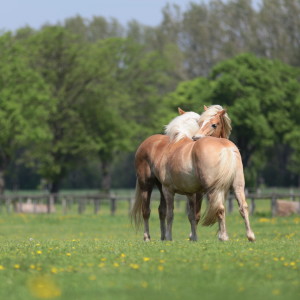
x=214 y=126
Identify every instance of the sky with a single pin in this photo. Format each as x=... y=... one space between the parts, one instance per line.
x=15 y=14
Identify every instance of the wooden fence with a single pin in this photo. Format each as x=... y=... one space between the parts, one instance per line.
x=45 y=203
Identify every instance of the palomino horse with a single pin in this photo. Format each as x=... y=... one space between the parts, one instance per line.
x=177 y=164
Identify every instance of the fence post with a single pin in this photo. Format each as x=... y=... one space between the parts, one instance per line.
x=96 y=205
x=273 y=204
x=8 y=205
x=49 y=204
x=113 y=205
x=252 y=206
x=64 y=205
x=292 y=196
x=80 y=206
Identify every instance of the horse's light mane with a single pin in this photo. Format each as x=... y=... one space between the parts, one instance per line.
x=185 y=125
x=211 y=112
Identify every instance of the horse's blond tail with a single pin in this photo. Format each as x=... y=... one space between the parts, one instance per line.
x=136 y=211
x=226 y=170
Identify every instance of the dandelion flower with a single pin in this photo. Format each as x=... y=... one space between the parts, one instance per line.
x=160 y=268
x=92 y=277
x=43 y=287
x=2 y=268
x=17 y=266
x=276 y=292
x=146 y=258
x=134 y=266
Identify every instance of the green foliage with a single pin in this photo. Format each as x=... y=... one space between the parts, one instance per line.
x=24 y=103
x=190 y=96
x=261 y=97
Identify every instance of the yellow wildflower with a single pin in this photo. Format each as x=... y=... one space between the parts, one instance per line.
x=43 y=287
x=276 y=292
x=134 y=266
x=16 y=266
x=146 y=258
x=2 y=268
x=160 y=268
x=92 y=277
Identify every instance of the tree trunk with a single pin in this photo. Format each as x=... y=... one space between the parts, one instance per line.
x=2 y=181
x=54 y=189
x=106 y=176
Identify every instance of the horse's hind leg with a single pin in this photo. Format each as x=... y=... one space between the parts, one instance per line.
x=146 y=194
x=216 y=202
x=243 y=207
x=192 y=216
x=162 y=211
x=239 y=191
x=223 y=236
x=195 y=202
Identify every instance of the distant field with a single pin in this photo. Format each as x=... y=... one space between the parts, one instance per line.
x=102 y=257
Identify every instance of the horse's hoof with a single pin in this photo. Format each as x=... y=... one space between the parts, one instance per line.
x=146 y=237
x=223 y=238
x=251 y=238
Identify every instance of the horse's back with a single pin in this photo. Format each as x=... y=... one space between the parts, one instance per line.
x=212 y=147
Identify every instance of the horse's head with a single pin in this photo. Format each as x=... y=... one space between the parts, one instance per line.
x=216 y=124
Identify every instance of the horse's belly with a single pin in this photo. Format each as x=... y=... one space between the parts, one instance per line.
x=186 y=185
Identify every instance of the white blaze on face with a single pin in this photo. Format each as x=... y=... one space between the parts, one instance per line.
x=204 y=123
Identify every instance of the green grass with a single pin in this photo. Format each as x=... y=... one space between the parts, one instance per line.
x=102 y=257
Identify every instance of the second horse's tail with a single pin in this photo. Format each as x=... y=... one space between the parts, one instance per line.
x=136 y=211
x=226 y=170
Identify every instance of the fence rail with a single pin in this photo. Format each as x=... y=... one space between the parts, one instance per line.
x=46 y=203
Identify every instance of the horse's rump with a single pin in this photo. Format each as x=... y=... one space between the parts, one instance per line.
x=216 y=161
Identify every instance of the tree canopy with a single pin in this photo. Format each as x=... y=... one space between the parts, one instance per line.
x=77 y=97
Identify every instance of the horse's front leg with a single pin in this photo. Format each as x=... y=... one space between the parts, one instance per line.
x=169 y=197
x=162 y=210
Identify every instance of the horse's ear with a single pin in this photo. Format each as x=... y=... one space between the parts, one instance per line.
x=205 y=107
x=222 y=112
x=180 y=111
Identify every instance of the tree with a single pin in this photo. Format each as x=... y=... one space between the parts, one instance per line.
x=24 y=105
x=56 y=55
x=260 y=94
x=118 y=101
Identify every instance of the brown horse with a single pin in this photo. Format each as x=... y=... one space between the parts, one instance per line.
x=177 y=164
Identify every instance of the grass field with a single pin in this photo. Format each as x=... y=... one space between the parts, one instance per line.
x=102 y=257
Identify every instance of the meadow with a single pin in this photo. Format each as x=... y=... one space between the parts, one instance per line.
x=103 y=257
